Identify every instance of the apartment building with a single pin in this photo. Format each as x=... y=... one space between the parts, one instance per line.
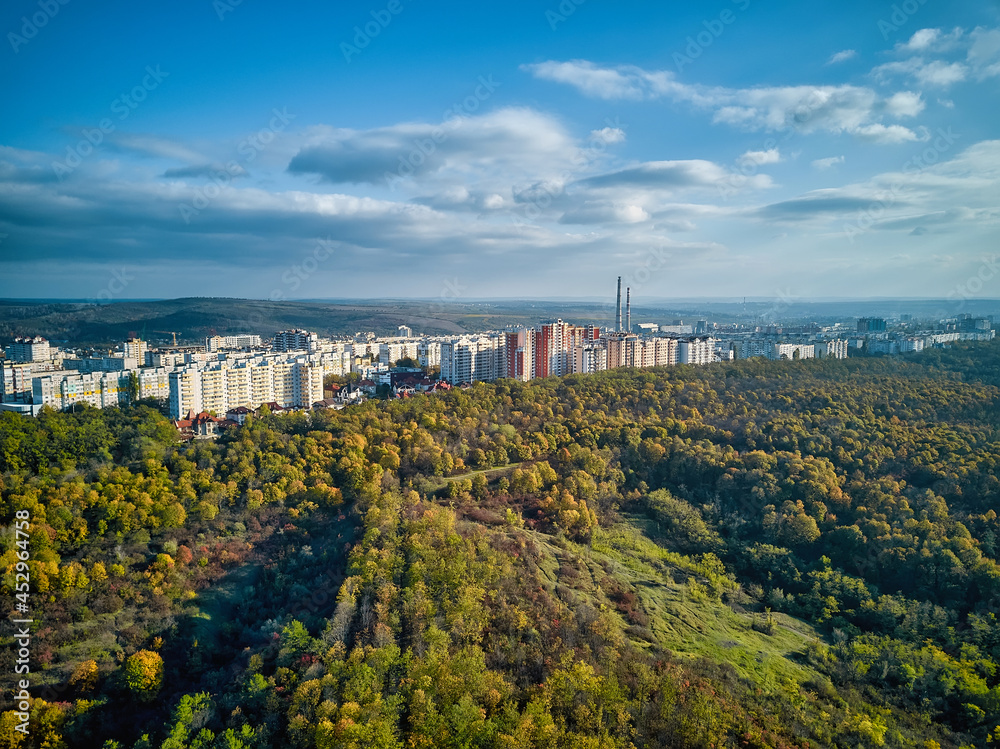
x=29 y=349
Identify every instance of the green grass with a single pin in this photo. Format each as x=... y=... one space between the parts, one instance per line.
x=688 y=619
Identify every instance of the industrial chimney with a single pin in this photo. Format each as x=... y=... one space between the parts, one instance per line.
x=628 y=309
x=618 y=319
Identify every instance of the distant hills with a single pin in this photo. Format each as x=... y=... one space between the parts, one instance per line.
x=193 y=319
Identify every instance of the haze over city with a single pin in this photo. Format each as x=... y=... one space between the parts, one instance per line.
x=508 y=150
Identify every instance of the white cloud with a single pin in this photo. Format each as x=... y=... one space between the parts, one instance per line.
x=934 y=73
x=921 y=40
x=931 y=40
x=624 y=82
x=510 y=143
x=952 y=194
x=842 y=56
x=886 y=134
x=604 y=214
x=984 y=54
x=904 y=104
x=828 y=162
x=608 y=135
x=760 y=158
x=838 y=109
x=155 y=146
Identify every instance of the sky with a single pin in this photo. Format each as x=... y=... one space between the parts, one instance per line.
x=456 y=150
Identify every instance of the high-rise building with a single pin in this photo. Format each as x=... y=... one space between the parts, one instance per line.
x=474 y=358
x=296 y=340
x=589 y=358
x=835 y=349
x=519 y=349
x=793 y=351
x=29 y=350
x=220 y=386
x=233 y=342
x=871 y=325
x=135 y=348
x=405 y=331
x=698 y=350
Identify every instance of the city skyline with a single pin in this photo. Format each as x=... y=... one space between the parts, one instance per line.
x=388 y=150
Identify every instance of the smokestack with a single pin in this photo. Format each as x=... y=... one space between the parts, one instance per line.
x=618 y=320
x=628 y=309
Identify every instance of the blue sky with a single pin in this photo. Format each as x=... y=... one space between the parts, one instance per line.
x=512 y=149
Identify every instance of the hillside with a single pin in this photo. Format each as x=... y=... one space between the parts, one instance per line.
x=752 y=554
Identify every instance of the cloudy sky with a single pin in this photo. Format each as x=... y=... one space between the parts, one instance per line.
x=510 y=149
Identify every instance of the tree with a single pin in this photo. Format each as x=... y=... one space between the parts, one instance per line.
x=144 y=674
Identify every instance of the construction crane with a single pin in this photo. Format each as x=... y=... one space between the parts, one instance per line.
x=168 y=332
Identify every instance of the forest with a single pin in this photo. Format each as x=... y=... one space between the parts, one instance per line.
x=748 y=554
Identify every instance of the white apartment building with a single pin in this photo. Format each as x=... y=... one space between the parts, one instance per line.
x=473 y=358
x=590 y=358
x=793 y=351
x=696 y=351
x=29 y=350
x=429 y=353
x=392 y=351
x=908 y=345
x=16 y=379
x=221 y=386
x=835 y=349
x=665 y=351
x=135 y=348
x=296 y=340
x=753 y=347
x=168 y=359
x=102 y=364
x=233 y=342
